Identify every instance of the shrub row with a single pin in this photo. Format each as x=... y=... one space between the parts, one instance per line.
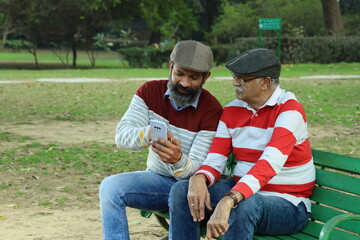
x=293 y=50
x=146 y=57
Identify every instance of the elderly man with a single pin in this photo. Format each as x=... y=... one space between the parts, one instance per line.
x=191 y=115
x=266 y=130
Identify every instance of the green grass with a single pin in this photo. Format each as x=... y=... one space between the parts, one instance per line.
x=328 y=103
x=87 y=159
x=109 y=65
x=123 y=73
x=333 y=102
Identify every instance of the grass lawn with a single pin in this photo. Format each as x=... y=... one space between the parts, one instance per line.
x=330 y=104
x=52 y=173
x=110 y=65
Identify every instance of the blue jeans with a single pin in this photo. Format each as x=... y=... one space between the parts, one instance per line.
x=143 y=190
x=259 y=214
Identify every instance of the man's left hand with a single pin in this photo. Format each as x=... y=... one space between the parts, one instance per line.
x=169 y=150
x=218 y=222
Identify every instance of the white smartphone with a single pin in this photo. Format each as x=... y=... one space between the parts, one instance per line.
x=158 y=129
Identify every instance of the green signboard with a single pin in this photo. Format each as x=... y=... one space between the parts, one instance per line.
x=269 y=23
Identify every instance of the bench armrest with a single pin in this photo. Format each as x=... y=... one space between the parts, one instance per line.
x=331 y=224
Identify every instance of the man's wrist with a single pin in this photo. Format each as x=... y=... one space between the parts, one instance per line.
x=233 y=197
x=202 y=176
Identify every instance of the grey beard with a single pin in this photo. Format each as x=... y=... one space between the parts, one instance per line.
x=180 y=99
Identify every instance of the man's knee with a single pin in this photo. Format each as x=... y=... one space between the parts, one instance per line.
x=179 y=192
x=106 y=188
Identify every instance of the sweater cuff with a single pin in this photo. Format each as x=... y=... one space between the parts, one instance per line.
x=244 y=189
x=181 y=166
x=143 y=134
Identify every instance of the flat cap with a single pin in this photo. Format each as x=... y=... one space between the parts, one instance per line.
x=258 y=62
x=192 y=55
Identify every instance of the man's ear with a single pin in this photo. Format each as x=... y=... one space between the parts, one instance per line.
x=170 y=63
x=267 y=82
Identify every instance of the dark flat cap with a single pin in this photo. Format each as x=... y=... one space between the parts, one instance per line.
x=258 y=62
x=192 y=55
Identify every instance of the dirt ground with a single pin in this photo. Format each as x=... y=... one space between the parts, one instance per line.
x=76 y=213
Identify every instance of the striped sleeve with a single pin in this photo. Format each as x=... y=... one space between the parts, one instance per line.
x=220 y=149
x=191 y=162
x=131 y=131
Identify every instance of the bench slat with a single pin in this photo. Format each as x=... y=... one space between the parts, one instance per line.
x=337 y=161
x=323 y=214
x=266 y=237
x=287 y=237
x=314 y=228
x=338 y=181
x=303 y=236
x=336 y=199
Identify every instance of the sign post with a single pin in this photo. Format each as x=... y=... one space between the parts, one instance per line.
x=270 y=24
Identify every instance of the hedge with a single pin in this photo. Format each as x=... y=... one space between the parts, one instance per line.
x=146 y=57
x=293 y=50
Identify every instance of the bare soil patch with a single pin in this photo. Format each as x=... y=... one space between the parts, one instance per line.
x=73 y=206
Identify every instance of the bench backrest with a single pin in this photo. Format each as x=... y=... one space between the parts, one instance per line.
x=337 y=191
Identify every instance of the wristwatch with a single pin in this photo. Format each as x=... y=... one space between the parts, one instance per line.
x=233 y=197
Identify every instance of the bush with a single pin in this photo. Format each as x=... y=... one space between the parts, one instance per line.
x=293 y=50
x=297 y=50
x=147 y=57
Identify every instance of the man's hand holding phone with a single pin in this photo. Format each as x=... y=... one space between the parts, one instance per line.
x=164 y=143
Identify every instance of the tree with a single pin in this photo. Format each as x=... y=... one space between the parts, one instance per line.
x=10 y=10
x=350 y=14
x=65 y=22
x=240 y=18
x=174 y=19
x=332 y=18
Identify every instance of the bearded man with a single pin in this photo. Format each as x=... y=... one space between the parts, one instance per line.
x=191 y=114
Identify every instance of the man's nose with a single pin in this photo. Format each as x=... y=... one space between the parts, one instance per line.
x=185 y=82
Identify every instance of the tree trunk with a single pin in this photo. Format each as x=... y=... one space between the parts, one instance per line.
x=6 y=29
x=74 y=54
x=332 y=18
x=154 y=38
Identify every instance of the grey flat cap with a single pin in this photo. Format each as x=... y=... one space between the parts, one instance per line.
x=192 y=55
x=258 y=62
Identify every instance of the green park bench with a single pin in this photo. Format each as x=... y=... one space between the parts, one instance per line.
x=335 y=201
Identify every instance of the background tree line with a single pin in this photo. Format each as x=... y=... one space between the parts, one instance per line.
x=67 y=25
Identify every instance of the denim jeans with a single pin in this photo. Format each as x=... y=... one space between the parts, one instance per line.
x=259 y=214
x=142 y=190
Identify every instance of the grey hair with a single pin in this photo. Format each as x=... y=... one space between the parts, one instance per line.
x=275 y=81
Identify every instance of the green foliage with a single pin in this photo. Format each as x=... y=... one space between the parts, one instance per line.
x=126 y=38
x=236 y=21
x=351 y=23
x=174 y=19
x=241 y=19
x=297 y=50
x=147 y=57
x=14 y=45
x=327 y=50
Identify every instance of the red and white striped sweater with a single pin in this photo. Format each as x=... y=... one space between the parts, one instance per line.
x=271 y=146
